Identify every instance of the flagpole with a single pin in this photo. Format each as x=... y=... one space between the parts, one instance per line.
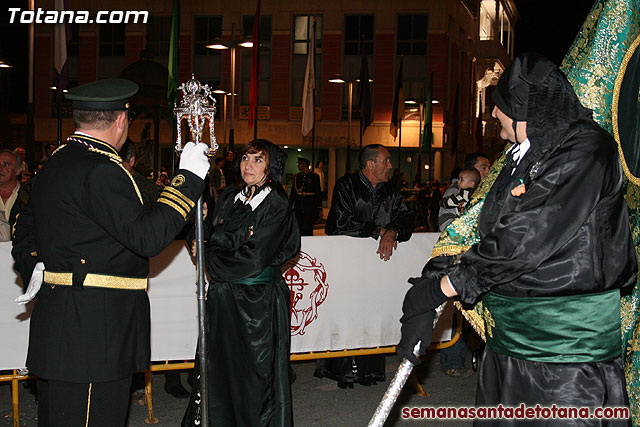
x=255 y=73
x=313 y=96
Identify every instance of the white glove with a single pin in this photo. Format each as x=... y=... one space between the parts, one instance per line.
x=194 y=158
x=34 y=284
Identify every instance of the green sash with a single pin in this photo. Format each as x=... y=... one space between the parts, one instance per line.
x=268 y=275
x=564 y=329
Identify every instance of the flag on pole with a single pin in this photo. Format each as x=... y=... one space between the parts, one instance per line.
x=254 y=90
x=61 y=36
x=364 y=94
x=427 y=130
x=308 y=107
x=172 y=84
x=455 y=121
x=398 y=104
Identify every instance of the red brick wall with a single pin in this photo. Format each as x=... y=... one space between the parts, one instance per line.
x=280 y=76
x=134 y=43
x=87 y=59
x=384 y=74
x=331 y=65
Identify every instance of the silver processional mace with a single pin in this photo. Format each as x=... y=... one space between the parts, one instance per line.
x=197 y=107
x=397 y=383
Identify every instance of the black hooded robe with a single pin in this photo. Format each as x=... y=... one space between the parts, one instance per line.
x=567 y=234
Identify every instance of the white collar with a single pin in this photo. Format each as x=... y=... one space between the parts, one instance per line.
x=257 y=199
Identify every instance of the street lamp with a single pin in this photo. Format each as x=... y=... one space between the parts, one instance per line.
x=421 y=111
x=341 y=80
x=224 y=96
x=5 y=64
x=231 y=44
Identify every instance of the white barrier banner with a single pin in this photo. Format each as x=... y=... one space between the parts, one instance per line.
x=343 y=296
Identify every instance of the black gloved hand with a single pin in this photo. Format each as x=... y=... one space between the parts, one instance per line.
x=425 y=295
x=418 y=311
x=418 y=328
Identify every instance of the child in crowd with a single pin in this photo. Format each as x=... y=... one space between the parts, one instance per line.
x=468 y=180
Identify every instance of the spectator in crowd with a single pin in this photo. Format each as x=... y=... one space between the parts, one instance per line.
x=319 y=170
x=305 y=197
x=454 y=203
x=20 y=152
x=48 y=152
x=229 y=168
x=479 y=161
x=365 y=204
x=83 y=243
x=148 y=190
x=218 y=180
x=13 y=194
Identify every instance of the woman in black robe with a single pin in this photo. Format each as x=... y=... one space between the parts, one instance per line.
x=251 y=234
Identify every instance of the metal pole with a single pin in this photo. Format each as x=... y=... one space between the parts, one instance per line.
x=399 y=379
x=59 y=105
x=350 y=88
x=202 y=347
x=233 y=95
x=399 y=140
x=30 y=139
x=420 y=139
x=224 y=122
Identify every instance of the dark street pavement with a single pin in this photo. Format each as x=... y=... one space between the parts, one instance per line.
x=317 y=402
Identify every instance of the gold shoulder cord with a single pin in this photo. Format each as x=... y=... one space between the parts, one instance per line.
x=616 y=99
x=118 y=161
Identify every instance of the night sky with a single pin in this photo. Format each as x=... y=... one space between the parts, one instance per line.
x=549 y=26
x=545 y=26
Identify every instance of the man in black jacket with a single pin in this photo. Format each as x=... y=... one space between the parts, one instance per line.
x=365 y=204
x=87 y=239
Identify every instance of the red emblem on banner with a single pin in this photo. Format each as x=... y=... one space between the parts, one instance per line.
x=307 y=281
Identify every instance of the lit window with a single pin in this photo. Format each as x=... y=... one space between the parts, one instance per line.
x=487 y=19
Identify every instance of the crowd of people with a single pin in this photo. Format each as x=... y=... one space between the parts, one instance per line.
x=553 y=255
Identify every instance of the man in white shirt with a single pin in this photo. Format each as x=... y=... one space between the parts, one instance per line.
x=10 y=168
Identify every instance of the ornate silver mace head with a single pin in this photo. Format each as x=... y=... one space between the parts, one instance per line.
x=197 y=107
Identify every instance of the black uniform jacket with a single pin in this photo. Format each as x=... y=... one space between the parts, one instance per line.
x=305 y=193
x=358 y=210
x=85 y=216
x=568 y=234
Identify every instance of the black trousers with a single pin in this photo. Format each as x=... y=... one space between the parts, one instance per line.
x=62 y=404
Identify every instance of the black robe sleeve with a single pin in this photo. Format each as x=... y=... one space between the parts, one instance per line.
x=401 y=218
x=25 y=250
x=568 y=233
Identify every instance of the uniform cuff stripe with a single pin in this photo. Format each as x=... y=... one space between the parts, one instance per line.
x=177 y=193
x=177 y=208
x=176 y=199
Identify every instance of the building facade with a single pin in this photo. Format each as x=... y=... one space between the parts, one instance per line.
x=461 y=46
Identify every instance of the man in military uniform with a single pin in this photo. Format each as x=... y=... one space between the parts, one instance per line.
x=87 y=239
x=305 y=197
